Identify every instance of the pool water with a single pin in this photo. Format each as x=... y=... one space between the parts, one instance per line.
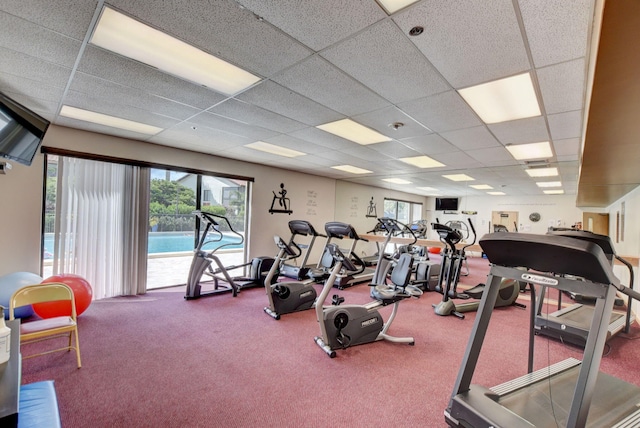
x=163 y=242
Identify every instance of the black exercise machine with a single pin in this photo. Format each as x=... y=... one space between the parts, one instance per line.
x=452 y=260
x=214 y=226
x=301 y=271
x=346 y=277
x=342 y=326
x=286 y=297
x=570 y=393
x=571 y=324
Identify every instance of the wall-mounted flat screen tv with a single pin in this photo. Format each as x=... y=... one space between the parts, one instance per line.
x=21 y=131
x=446 y=204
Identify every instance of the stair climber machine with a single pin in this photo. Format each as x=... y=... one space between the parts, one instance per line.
x=215 y=231
x=571 y=323
x=287 y=297
x=452 y=261
x=300 y=228
x=570 y=393
x=342 y=326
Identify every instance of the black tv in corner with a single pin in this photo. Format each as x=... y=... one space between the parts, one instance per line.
x=446 y=204
x=21 y=131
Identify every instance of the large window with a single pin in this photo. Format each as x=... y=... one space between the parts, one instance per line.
x=404 y=211
x=129 y=228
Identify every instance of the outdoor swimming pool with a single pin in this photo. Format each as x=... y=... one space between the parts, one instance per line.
x=164 y=242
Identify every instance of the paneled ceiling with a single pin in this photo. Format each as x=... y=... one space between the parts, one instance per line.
x=320 y=61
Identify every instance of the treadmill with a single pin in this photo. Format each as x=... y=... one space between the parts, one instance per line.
x=300 y=272
x=339 y=230
x=571 y=324
x=570 y=393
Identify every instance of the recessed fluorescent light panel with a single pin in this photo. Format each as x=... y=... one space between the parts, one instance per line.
x=274 y=150
x=353 y=131
x=496 y=193
x=428 y=189
x=396 y=181
x=542 y=172
x=126 y=36
x=554 y=192
x=459 y=177
x=106 y=120
x=391 y=6
x=540 y=150
x=481 y=186
x=422 y=162
x=503 y=100
x=549 y=184
x=352 y=169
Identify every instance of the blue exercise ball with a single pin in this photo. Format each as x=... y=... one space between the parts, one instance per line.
x=9 y=284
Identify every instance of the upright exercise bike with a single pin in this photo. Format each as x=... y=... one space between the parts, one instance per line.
x=286 y=297
x=342 y=326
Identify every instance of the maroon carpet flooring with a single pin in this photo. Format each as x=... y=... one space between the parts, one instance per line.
x=158 y=360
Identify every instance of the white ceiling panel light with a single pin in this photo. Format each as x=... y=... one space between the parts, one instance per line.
x=554 y=192
x=396 y=180
x=496 y=193
x=459 y=177
x=428 y=189
x=503 y=100
x=549 y=184
x=422 y=162
x=542 y=172
x=352 y=169
x=481 y=186
x=274 y=150
x=391 y=6
x=106 y=120
x=540 y=150
x=353 y=131
x=126 y=36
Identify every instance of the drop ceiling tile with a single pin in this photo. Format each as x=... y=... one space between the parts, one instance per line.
x=471 y=138
x=231 y=126
x=68 y=17
x=491 y=155
x=485 y=37
x=557 y=33
x=27 y=67
x=442 y=112
x=384 y=60
x=101 y=129
x=562 y=86
x=117 y=94
x=565 y=125
x=213 y=141
x=322 y=138
x=429 y=144
x=222 y=29
x=276 y=98
x=22 y=36
x=457 y=160
x=106 y=65
x=394 y=149
x=521 y=131
x=367 y=153
x=383 y=119
x=250 y=155
x=296 y=144
x=568 y=147
x=317 y=24
x=45 y=108
x=87 y=102
x=319 y=80
x=30 y=88
x=248 y=113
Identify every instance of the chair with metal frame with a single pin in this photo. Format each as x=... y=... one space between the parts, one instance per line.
x=44 y=329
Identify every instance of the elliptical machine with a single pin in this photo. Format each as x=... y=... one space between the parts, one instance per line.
x=452 y=260
x=286 y=297
x=223 y=282
x=342 y=326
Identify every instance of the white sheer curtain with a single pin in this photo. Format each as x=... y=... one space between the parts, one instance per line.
x=101 y=225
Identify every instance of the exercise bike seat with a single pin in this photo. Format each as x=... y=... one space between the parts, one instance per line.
x=400 y=288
